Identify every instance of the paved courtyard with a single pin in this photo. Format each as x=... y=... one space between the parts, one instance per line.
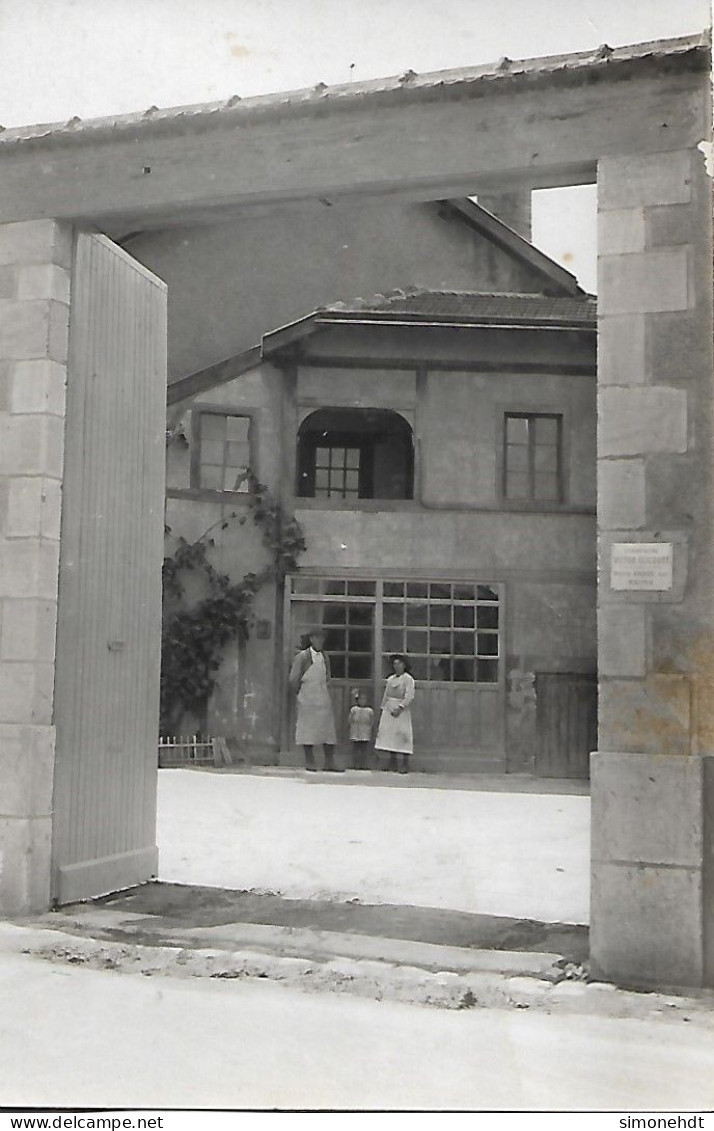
x=494 y=846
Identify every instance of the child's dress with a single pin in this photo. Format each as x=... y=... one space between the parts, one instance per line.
x=361 y=720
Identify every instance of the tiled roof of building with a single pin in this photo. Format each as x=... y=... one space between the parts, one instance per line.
x=419 y=307
x=477 y=306
x=410 y=85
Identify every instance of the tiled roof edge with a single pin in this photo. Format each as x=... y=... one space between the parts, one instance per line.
x=692 y=49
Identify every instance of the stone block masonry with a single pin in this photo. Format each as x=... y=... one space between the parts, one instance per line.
x=642 y=421
x=35 y=279
x=652 y=799
x=621 y=493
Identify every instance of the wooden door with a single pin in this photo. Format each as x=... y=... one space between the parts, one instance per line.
x=453 y=635
x=109 y=615
x=460 y=726
x=566 y=724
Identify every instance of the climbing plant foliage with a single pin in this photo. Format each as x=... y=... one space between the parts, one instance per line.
x=204 y=609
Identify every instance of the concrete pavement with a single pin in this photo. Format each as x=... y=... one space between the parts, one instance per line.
x=418 y=955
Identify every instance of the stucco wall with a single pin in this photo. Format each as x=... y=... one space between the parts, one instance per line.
x=462 y=423
x=243 y=705
x=420 y=540
x=233 y=282
x=258 y=392
x=459 y=423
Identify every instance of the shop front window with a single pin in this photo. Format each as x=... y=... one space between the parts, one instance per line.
x=451 y=631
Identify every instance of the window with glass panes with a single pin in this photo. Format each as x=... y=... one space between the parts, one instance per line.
x=349 y=637
x=223 y=451
x=345 y=611
x=449 y=631
x=337 y=472
x=533 y=458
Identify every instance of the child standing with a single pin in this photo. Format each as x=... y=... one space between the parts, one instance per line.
x=361 y=720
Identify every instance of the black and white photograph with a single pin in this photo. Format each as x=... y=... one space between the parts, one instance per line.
x=356 y=560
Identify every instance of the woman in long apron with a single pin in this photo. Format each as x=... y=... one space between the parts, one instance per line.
x=395 y=735
x=310 y=678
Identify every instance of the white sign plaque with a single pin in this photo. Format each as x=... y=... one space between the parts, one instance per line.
x=641 y=565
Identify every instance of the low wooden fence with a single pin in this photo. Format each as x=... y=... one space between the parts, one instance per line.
x=191 y=750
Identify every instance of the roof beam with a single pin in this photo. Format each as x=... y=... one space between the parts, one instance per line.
x=493 y=229
x=213 y=375
x=538 y=123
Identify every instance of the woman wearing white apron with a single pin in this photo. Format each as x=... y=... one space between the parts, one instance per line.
x=395 y=734
x=310 y=678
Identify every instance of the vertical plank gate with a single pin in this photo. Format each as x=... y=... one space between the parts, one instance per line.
x=566 y=724
x=109 y=614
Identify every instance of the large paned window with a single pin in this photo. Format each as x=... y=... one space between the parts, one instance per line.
x=533 y=457
x=349 y=639
x=223 y=456
x=451 y=631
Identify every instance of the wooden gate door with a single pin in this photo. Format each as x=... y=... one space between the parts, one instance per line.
x=566 y=724
x=109 y=614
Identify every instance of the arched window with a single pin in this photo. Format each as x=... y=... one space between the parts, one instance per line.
x=355 y=453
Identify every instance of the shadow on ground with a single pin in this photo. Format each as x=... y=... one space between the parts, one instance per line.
x=156 y=911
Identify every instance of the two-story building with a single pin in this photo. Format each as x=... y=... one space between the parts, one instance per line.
x=438 y=449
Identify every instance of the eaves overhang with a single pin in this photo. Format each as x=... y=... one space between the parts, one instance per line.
x=534 y=123
x=288 y=337
x=684 y=53
x=287 y=342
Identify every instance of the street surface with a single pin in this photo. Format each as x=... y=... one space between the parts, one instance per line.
x=107 y=1038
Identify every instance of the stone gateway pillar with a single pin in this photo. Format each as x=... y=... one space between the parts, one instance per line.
x=652 y=898
x=35 y=266
x=82 y=448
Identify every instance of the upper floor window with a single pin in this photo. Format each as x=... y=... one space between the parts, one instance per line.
x=337 y=472
x=222 y=452
x=533 y=457
x=354 y=454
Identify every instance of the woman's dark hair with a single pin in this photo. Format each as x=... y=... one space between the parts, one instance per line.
x=403 y=658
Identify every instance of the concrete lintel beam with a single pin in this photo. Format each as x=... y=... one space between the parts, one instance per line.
x=438 y=141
